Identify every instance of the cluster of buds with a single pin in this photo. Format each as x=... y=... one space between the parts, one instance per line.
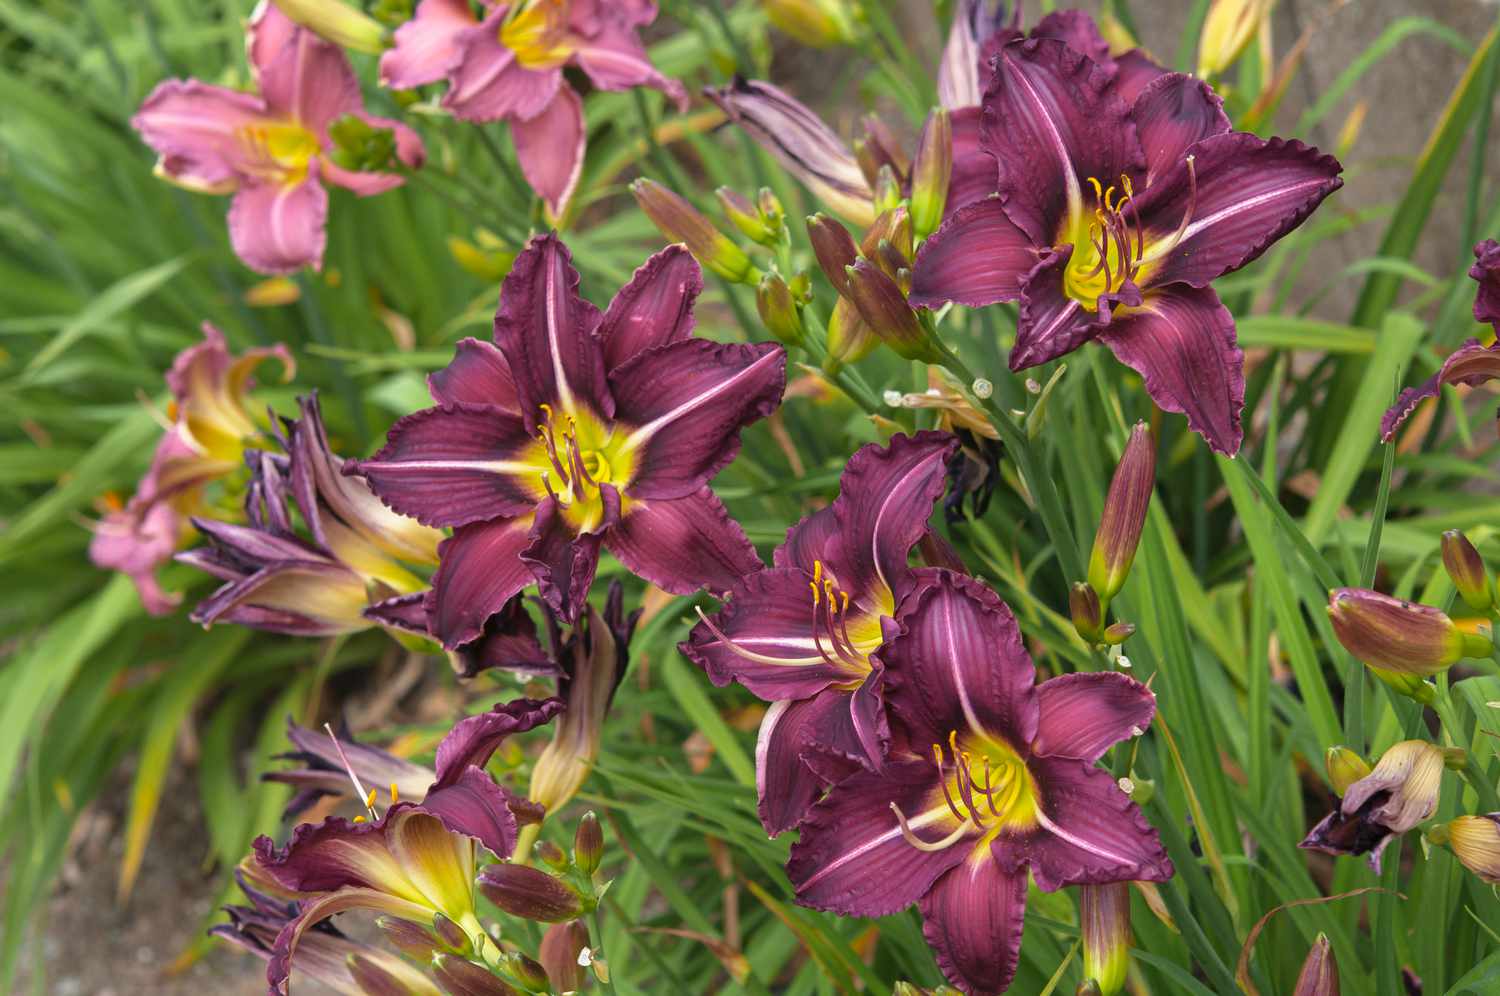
x=1401 y=642
x=1115 y=542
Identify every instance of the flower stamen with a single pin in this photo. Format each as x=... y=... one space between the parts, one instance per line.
x=911 y=838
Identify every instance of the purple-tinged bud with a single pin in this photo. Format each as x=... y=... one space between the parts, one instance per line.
x=550 y=855
x=529 y=973
x=931 y=172
x=1117 y=633
x=452 y=935
x=850 y=338
x=770 y=208
x=778 y=309
x=1320 y=972
x=893 y=226
x=1466 y=567
x=409 y=938
x=1124 y=515
x=1397 y=635
x=887 y=190
x=881 y=150
x=1345 y=767
x=559 y=952
x=1083 y=606
x=681 y=222
x=834 y=247
x=588 y=844
x=383 y=975
x=1475 y=841
x=460 y=977
x=1104 y=925
x=883 y=307
x=530 y=893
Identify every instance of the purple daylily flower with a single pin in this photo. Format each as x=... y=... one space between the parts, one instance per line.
x=508 y=65
x=1114 y=215
x=271 y=150
x=574 y=430
x=988 y=774
x=205 y=442
x=1471 y=364
x=804 y=634
x=323 y=771
x=415 y=860
x=278 y=581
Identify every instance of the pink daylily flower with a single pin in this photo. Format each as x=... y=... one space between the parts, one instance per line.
x=271 y=150
x=508 y=66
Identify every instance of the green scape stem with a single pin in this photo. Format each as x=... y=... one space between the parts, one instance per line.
x=598 y=952
x=1489 y=800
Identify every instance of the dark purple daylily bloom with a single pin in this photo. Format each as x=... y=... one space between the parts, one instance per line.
x=1471 y=364
x=988 y=774
x=1115 y=212
x=417 y=859
x=575 y=430
x=804 y=634
x=272 y=150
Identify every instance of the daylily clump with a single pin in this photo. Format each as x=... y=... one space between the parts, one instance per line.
x=573 y=430
x=274 y=150
x=508 y=66
x=1120 y=199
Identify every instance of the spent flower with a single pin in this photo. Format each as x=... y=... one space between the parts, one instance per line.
x=1398 y=794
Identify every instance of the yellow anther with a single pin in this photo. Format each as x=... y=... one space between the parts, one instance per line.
x=817 y=572
x=546 y=410
x=1098 y=189
x=370 y=800
x=395 y=796
x=359 y=819
x=1108 y=195
x=845 y=607
x=814 y=586
x=1128 y=187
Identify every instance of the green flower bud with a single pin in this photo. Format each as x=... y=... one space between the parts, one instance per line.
x=1345 y=767
x=1124 y=515
x=1104 y=925
x=337 y=22
x=885 y=310
x=588 y=844
x=778 y=309
x=1466 y=567
x=931 y=173
x=1088 y=616
x=681 y=222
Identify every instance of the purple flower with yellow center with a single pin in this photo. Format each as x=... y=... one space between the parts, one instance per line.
x=803 y=634
x=988 y=775
x=1472 y=363
x=575 y=430
x=1113 y=216
x=205 y=442
x=508 y=65
x=416 y=860
x=272 y=150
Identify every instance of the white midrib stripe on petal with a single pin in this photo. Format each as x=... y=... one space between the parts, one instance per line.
x=1248 y=205
x=1064 y=161
x=645 y=432
x=890 y=497
x=929 y=817
x=564 y=390
x=483 y=466
x=953 y=664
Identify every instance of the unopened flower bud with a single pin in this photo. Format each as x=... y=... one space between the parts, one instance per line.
x=1088 y=987
x=1475 y=841
x=1227 y=30
x=746 y=217
x=588 y=844
x=778 y=309
x=530 y=893
x=1117 y=633
x=451 y=934
x=834 y=247
x=850 y=338
x=1104 y=925
x=1397 y=635
x=550 y=855
x=460 y=977
x=931 y=172
x=529 y=973
x=376 y=973
x=559 y=952
x=770 y=208
x=1124 y=515
x=884 y=308
x=1466 y=567
x=887 y=189
x=893 y=227
x=1345 y=767
x=409 y=938
x=1320 y=972
x=681 y=222
x=1083 y=606
x=816 y=23
x=335 y=21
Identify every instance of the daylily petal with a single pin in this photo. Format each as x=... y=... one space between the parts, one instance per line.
x=437 y=860
x=297 y=597
x=550 y=146
x=1250 y=192
x=487 y=83
x=615 y=59
x=563 y=560
x=1083 y=715
x=807 y=541
x=198 y=131
x=1052 y=121
x=474 y=739
x=1470 y=364
x=1077 y=30
x=427 y=46
x=1172 y=113
x=1181 y=340
x=209 y=384
x=1091 y=832
x=1486 y=271
x=481 y=570
x=454 y=465
x=267 y=32
x=973 y=918
x=683 y=545
x=279 y=967
x=977 y=257
x=886 y=497
x=1052 y=323
x=137 y=544
x=685 y=405
x=973 y=175
x=1133 y=72
x=334 y=854
x=509 y=642
x=770 y=616
x=359 y=183
x=309 y=80
x=477 y=375
x=801 y=142
x=852 y=858
x=546 y=331
x=962 y=72
x=279 y=228
x=654 y=309
x=959 y=665
x=324 y=773
x=472 y=804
